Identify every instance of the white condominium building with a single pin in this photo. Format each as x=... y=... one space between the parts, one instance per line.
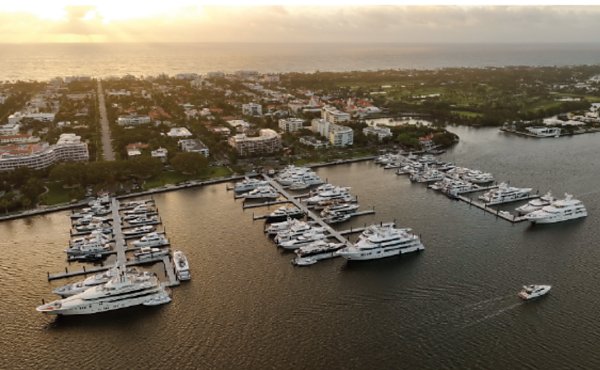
x=133 y=120
x=268 y=141
x=69 y=147
x=380 y=131
x=333 y=115
x=291 y=124
x=336 y=134
x=341 y=135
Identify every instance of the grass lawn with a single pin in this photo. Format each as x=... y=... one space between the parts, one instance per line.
x=56 y=194
x=466 y=114
x=173 y=177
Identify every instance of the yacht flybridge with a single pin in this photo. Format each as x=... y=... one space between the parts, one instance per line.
x=504 y=194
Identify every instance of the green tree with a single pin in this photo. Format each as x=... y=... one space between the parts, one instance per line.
x=189 y=163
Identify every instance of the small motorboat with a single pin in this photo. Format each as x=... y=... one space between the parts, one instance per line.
x=304 y=261
x=534 y=291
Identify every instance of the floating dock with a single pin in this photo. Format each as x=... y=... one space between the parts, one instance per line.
x=505 y=215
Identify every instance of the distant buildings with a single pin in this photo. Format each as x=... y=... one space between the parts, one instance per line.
x=10 y=129
x=133 y=120
x=160 y=153
x=268 y=141
x=239 y=124
x=380 y=131
x=336 y=134
x=252 y=109
x=333 y=115
x=313 y=142
x=291 y=124
x=193 y=146
x=42 y=117
x=38 y=156
x=135 y=149
x=179 y=132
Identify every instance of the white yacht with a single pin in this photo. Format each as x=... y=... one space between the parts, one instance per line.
x=262 y=192
x=144 y=220
x=92 y=247
x=248 y=184
x=139 y=209
x=182 y=268
x=534 y=291
x=478 y=177
x=296 y=230
x=97 y=279
x=299 y=185
x=94 y=236
x=560 y=210
x=302 y=240
x=337 y=194
x=504 y=194
x=337 y=217
x=148 y=253
x=277 y=227
x=122 y=291
x=382 y=242
x=535 y=204
x=134 y=203
x=429 y=175
x=138 y=231
x=153 y=239
x=283 y=213
x=316 y=251
x=340 y=208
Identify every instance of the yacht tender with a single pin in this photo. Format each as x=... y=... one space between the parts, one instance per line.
x=534 y=291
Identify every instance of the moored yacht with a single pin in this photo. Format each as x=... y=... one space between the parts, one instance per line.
x=382 y=242
x=277 y=227
x=316 y=251
x=283 y=212
x=97 y=279
x=560 y=210
x=262 y=192
x=144 y=220
x=182 y=268
x=248 y=184
x=122 y=291
x=535 y=204
x=138 y=231
x=302 y=240
x=148 y=253
x=504 y=194
x=153 y=239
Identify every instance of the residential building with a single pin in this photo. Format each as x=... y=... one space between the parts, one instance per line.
x=36 y=116
x=133 y=120
x=340 y=135
x=333 y=115
x=544 y=131
x=223 y=131
x=38 y=156
x=336 y=134
x=252 y=109
x=380 y=131
x=133 y=153
x=16 y=139
x=268 y=141
x=291 y=124
x=239 y=124
x=179 y=132
x=10 y=129
x=313 y=142
x=426 y=142
x=160 y=153
x=193 y=146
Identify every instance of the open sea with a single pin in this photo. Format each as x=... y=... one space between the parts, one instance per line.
x=45 y=61
x=453 y=306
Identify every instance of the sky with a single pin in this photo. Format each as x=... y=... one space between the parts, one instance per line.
x=38 y=21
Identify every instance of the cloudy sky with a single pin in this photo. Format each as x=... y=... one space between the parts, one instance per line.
x=27 y=21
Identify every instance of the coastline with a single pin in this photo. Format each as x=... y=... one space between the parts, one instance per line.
x=163 y=189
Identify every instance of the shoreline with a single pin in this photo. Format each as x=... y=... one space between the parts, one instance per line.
x=162 y=189
x=521 y=133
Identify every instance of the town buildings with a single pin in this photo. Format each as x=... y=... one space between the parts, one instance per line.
x=193 y=146
x=252 y=109
x=380 y=131
x=133 y=120
x=336 y=134
x=268 y=141
x=69 y=147
x=291 y=124
x=333 y=115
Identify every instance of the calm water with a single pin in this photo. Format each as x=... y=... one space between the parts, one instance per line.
x=45 y=61
x=452 y=306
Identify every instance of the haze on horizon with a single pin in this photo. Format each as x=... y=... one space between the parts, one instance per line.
x=30 y=21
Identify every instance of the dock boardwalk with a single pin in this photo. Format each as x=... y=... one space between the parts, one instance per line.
x=334 y=234
x=264 y=204
x=119 y=240
x=95 y=270
x=496 y=212
x=170 y=271
x=355 y=230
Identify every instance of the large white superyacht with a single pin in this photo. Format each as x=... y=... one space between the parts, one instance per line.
x=503 y=194
x=560 y=210
x=382 y=242
x=124 y=290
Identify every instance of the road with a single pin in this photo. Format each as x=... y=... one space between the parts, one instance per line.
x=107 y=150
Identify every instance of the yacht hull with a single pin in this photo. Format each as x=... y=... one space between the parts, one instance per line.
x=375 y=254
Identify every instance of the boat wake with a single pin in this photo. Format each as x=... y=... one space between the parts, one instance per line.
x=492 y=315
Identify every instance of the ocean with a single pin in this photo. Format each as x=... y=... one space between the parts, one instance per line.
x=45 y=61
x=453 y=306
